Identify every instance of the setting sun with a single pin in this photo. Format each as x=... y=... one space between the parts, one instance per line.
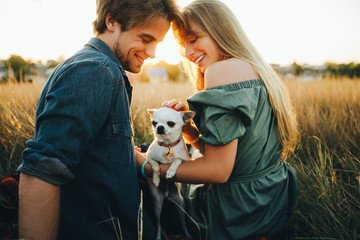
x=167 y=50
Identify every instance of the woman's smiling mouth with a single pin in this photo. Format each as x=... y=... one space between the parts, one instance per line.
x=198 y=60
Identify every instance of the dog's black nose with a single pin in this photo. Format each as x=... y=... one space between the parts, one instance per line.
x=160 y=130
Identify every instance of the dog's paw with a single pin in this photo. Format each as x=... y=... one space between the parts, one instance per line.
x=170 y=172
x=156 y=181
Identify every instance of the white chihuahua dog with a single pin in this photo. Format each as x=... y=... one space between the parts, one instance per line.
x=167 y=147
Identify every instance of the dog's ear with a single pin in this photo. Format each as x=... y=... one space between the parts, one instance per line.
x=151 y=111
x=187 y=115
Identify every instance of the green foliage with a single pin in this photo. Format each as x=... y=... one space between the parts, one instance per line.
x=332 y=70
x=52 y=64
x=297 y=69
x=350 y=70
x=20 y=67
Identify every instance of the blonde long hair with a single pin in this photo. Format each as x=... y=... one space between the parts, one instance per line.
x=216 y=19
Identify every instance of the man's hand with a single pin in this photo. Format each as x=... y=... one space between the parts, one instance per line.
x=39 y=203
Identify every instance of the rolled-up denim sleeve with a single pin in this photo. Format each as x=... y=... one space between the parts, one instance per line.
x=71 y=110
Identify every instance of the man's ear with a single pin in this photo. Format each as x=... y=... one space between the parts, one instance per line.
x=111 y=23
x=151 y=111
x=187 y=115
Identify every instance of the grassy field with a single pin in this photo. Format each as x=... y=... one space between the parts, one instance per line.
x=326 y=161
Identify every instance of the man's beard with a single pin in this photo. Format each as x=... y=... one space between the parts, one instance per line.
x=124 y=62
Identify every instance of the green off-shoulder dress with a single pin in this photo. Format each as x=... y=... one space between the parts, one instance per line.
x=259 y=197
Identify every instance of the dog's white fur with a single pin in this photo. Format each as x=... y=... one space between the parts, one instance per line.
x=167 y=127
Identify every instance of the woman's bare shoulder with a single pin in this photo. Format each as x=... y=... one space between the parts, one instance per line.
x=229 y=71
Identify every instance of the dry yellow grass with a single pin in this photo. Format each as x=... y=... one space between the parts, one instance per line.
x=20 y=94
x=17 y=114
x=329 y=110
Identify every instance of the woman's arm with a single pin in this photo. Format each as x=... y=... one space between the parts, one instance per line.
x=215 y=166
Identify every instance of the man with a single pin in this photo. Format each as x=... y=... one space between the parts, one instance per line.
x=78 y=177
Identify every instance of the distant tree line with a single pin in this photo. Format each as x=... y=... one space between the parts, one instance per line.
x=333 y=70
x=351 y=70
x=18 y=70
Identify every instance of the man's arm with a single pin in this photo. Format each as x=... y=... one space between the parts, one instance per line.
x=38 y=208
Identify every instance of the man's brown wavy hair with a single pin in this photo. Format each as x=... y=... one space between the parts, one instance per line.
x=134 y=13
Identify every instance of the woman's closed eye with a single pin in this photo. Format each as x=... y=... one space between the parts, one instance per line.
x=193 y=40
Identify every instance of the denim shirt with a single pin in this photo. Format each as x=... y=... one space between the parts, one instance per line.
x=83 y=142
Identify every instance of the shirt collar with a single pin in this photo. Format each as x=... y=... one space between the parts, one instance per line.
x=104 y=48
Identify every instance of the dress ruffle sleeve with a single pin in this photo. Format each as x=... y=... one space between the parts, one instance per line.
x=223 y=114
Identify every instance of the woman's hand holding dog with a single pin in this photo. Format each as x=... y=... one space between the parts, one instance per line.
x=176 y=105
x=190 y=132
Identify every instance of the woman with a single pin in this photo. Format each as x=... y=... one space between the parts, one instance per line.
x=244 y=120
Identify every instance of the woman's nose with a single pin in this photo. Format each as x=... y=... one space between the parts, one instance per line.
x=189 y=51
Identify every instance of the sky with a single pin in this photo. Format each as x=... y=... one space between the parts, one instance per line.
x=283 y=31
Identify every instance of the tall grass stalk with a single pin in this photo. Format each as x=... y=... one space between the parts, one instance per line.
x=17 y=113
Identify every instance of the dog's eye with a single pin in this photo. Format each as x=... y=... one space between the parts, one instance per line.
x=154 y=123
x=171 y=124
